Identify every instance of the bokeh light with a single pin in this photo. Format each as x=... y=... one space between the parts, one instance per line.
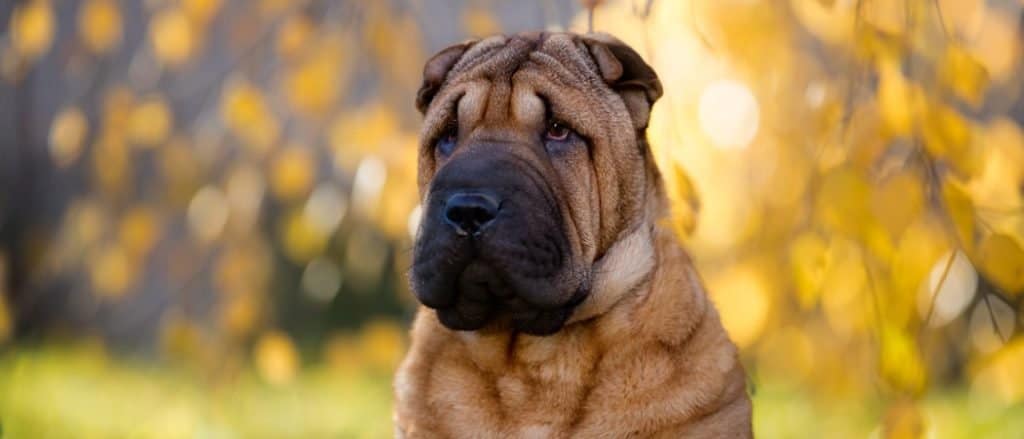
x=951 y=285
x=729 y=114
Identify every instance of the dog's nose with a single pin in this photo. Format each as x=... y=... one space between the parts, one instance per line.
x=470 y=213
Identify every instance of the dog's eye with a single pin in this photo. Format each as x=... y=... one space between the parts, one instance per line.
x=557 y=131
x=446 y=143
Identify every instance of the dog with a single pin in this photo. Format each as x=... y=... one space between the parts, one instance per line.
x=557 y=302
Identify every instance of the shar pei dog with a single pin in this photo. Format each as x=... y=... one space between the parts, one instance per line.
x=556 y=301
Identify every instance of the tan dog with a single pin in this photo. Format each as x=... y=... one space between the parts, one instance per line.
x=559 y=305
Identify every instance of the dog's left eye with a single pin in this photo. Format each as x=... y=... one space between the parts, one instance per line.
x=446 y=143
x=557 y=131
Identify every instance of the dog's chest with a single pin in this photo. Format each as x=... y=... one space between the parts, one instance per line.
x=537 y=381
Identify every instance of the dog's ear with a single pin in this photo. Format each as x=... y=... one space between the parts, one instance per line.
x=626 y=72
x=436 y=70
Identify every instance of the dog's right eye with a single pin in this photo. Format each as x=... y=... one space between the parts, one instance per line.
x=446 y=143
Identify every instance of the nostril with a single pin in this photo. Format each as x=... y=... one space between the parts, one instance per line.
x=470 y=213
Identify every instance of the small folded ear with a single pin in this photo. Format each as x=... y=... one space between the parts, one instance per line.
x=626 y=72
x=436 y=70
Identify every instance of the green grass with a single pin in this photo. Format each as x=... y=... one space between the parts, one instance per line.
x=61 y=392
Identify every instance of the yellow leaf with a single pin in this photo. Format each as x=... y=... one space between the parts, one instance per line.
x=897 y=201
x=239 y=315
x=151 y=122
x=960 y=209
x=947 y=136
x=961 y=72
x=842 y=201
x=294 y=36
x=32 y=28
x=866 y=138
x=272 y=8
x=118 y=103
x=997 y=185
x=365 y=256
x=875 y=43
x=1001 y=260
x=963 y=17
x=844 y=293
x=171 y=36
x=341 y=353
x=247 y=115
x=1000 y=375
x=479 y=22
x=359 y=132
x=742 y=296
x=788 y=352
x=179 y=338
x=895 y=99
x=276 y=358
x=791 y=170
x=86 y=221
x=302 y=240
x=139 y=231
x=111 y=166
x=112 y=272
x=901 y=367
x=388 y=34
x=886 y=15
x=829 y=20
x=181 y=171
x=243 y=269
x=292 y=172
x=99 y=23
x=314 y=85
x=903 y=420
x=200 y=11
x=808 y=259
x=685 y=203
x=382 y=344
x=67 y=134
x=998 y=46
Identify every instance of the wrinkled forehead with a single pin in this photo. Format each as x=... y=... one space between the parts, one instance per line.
x=504 y=82
x=501 y=57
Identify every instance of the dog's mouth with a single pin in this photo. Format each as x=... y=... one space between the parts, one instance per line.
x=482 y=297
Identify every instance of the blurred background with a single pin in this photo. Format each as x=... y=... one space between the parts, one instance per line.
x=206 y=206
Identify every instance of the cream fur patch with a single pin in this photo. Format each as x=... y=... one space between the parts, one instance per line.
x=624 y=266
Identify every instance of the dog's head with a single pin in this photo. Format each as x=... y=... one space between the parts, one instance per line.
x=533 y=163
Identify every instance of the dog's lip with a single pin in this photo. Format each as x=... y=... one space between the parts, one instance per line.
x=469 y=315
x=542 y=322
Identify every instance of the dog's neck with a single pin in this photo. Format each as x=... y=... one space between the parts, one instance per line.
x=627 y=265
x=624 y=267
